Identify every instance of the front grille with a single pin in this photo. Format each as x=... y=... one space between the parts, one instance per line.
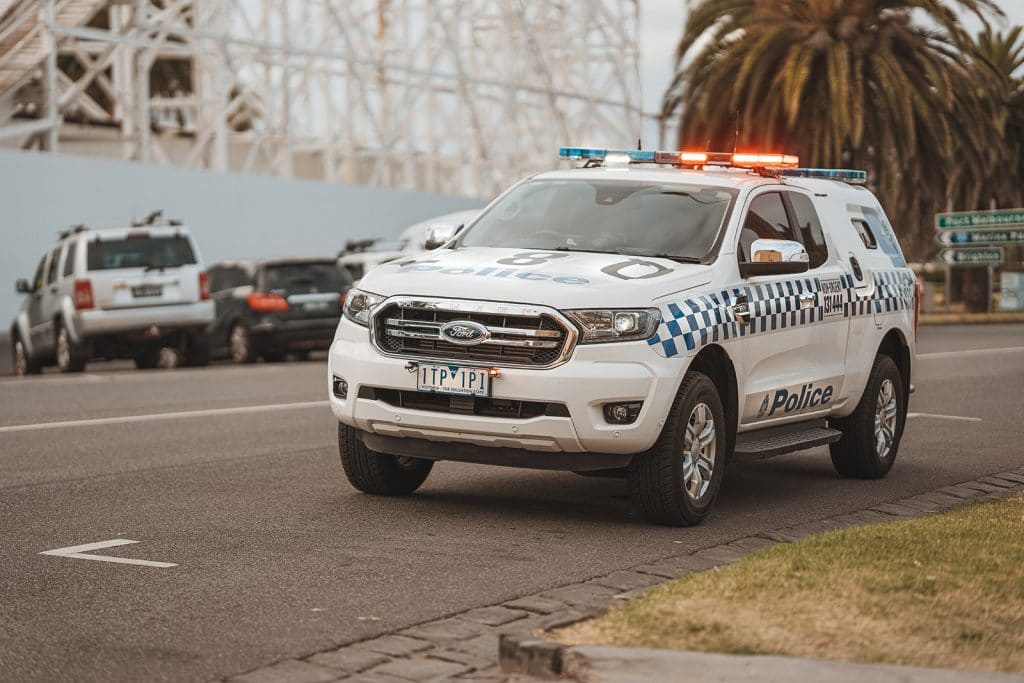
x=409 y=328
x=464 y=405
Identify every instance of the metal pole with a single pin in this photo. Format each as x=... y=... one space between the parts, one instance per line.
x=52 y=95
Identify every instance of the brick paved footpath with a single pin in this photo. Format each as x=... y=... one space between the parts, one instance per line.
x=465 y=647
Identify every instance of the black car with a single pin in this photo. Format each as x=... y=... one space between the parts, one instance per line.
x=273 y=307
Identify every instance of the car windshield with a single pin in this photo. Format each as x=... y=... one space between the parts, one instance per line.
x=613 y=216
x=305 y=278
x=140 y=252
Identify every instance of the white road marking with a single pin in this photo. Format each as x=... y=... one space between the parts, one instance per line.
x=945 y=417
x=81 y=552
x=123 y=419
x=969 y=352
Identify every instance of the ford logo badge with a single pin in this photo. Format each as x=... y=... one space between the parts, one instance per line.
x=464 y=333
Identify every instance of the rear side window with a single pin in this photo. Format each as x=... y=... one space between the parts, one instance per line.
x=51 y=272
x=140 y=252
x=225 y=277
x=766 y=219
x=808 y=226
x=69 y=260
x=864 y=230
x=305 y=278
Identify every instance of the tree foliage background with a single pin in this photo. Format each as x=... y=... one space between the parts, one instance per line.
x=895 y=87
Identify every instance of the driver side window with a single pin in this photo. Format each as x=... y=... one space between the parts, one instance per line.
x=37 y=280
x=766 y=219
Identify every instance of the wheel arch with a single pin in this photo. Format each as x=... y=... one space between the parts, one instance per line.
x=714 y=361
x=894 y=345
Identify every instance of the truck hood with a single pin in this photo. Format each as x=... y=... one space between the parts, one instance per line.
x=558 y=279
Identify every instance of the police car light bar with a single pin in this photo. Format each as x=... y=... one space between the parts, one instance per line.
x=681 y=158
x=845 y=175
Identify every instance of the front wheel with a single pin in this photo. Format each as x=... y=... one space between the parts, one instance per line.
x=379 y=473
x=677 y=481
x=871 y=435
x=22 y=360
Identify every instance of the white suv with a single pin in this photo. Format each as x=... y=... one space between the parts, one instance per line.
x=124 y=292
x=650 y=314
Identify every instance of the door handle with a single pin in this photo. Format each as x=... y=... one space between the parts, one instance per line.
x=807 y=301
x=741 y=309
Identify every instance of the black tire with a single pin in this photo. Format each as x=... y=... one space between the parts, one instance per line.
x=197 y=349
x=274 y=357
x=240 y=344
x=300 y=356
x=148 y=358
x=22 y=362
x=379 y=474
x=857 y=454
x=656 y=478
x=71 y=357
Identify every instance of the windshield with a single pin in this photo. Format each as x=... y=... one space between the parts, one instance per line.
x=613 y=216
x=140 y=252
x=305 y=278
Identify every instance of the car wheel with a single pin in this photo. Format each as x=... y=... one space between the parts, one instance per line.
x=379 y=473
x=300 y=356
x=149 y=358
x=240 y=344
x=22 y=361
x=677 y=480
x=872 y=433
x=197 y=350
x=276 y=357
x=71 y=357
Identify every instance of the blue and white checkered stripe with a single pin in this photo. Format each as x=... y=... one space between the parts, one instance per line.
x=704 y=319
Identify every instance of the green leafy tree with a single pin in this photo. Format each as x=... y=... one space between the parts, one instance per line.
x=877 y=84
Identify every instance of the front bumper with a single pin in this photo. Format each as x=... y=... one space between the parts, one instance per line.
x=594 y=375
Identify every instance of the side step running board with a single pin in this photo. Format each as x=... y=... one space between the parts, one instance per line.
x=778 y=440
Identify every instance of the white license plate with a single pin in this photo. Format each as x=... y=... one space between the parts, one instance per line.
x=452 y=379
x=314 y=306
x=140 y=291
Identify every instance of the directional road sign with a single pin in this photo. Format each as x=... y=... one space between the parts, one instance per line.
x=978 y=256
x=1001 y=218
x=958 y=238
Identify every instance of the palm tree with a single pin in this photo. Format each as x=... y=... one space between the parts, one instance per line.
x=845 y=83
x=1002 y=56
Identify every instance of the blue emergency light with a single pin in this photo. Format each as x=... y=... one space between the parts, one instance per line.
x=845 y=175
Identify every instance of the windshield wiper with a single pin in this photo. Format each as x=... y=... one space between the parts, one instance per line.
x=676 y=258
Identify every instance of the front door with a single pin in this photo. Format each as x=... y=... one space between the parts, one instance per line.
x=795 y=352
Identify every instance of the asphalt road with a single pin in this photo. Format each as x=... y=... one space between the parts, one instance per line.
x=277 y=556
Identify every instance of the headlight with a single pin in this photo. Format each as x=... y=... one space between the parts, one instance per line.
x=359 y=305
x=615 y=325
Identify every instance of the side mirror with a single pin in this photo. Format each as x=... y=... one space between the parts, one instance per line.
x=775 y=257
x=21 y=286
x=440 y=234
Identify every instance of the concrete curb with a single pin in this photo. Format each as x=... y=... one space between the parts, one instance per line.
x=528 y=653
x=972 y=318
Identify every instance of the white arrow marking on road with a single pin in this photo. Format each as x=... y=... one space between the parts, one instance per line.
x=80 y=552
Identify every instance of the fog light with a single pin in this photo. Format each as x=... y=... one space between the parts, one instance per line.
x=622 y=413
x=340 y=387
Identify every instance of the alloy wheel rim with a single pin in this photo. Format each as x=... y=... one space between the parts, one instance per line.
x=63 y=350
x=239 y=344
x=20 y=359
x=699 y=451
x=885 y=419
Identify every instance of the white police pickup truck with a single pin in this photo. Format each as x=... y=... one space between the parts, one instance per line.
x=652 y=314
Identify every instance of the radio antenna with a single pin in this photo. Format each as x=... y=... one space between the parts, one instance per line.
x=736 y=139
